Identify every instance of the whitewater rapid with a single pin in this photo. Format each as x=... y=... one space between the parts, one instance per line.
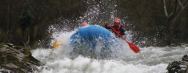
x=149 y=60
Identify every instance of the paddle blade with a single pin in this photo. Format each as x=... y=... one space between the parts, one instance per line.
x=135 y=48
x=56 y=44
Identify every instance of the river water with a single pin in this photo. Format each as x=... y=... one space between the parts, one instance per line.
x=149 y=60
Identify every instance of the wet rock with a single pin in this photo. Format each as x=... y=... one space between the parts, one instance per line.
x=179 y=66
x=16 y=59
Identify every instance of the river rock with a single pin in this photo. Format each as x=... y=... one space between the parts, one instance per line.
x=179 y=66
x=16 y=59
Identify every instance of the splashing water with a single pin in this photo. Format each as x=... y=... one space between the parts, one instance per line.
x=100 y=11
x=150 y=60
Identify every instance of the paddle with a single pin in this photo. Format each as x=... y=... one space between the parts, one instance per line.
x=56 y=44
x=135 y=48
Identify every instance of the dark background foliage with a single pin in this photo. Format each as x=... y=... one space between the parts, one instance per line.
x=149 y=17
x=26 y=21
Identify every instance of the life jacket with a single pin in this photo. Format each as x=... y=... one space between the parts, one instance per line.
x=118 y=30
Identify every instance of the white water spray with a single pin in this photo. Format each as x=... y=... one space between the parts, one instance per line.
x=150 y=60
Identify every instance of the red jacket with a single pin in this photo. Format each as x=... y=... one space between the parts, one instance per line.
x=118 y=30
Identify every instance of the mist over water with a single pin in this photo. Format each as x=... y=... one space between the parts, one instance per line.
x=149 y=60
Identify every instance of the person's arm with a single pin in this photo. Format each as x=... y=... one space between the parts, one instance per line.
x=107 y=26
x=122 y=29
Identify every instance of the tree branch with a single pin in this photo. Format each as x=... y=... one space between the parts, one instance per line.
x=165 y=9
x=185 y=3
x=181 y=4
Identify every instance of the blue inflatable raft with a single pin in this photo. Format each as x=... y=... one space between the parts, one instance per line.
x=92 y=40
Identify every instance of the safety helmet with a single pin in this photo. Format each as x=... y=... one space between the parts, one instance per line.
x=117 y=21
